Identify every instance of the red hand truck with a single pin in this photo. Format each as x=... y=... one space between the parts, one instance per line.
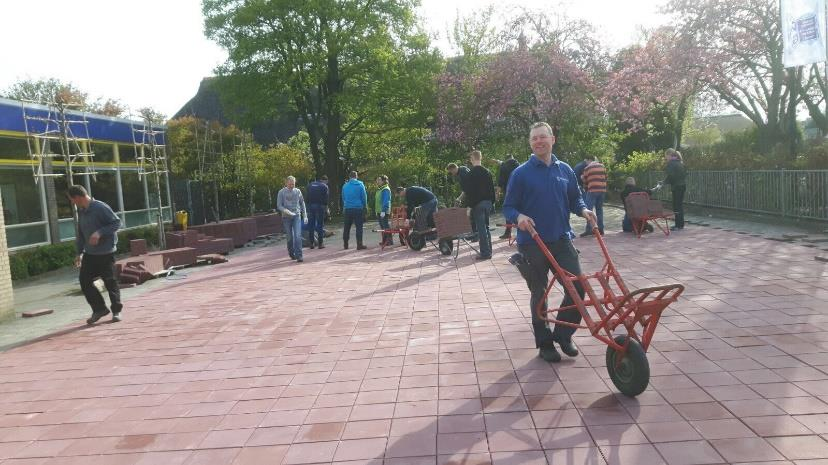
x=614 y=306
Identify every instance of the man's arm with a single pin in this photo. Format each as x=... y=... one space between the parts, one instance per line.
x=302 y=210
x=364 y=197
x=326 y=195
x=109 y=221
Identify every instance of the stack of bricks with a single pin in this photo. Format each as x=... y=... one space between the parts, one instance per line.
x=6 y=292
x=269 y=223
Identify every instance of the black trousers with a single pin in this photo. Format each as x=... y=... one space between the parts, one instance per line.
x=678 y=204
x=100 y=266
x=538 y=278
x=356 y=217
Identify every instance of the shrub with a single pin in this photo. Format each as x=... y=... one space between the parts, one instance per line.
x=637 y=165
x=32 y=262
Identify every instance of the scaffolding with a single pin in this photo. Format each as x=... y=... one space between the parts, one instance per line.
x=210 y=166
x=246 y=173
x=52 y=123
x=56 y=125
x=151 y=158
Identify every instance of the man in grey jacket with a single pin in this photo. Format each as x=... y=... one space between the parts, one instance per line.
x=96 y=241
x=291 y=204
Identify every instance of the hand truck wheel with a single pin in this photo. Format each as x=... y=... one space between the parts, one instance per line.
x=630 y=372
x=446 y=246
x=416 y=241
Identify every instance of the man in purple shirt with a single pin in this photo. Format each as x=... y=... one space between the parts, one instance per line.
x=543 y=192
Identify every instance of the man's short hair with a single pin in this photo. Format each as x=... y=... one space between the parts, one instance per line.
x=383 y=178
x=290 y=178
x=589 y=157
x=353 y=174
x=451 y=166
x=476 y=155
x=542 y=124
x=324 y=178
x=400 y=189
x=77 y=191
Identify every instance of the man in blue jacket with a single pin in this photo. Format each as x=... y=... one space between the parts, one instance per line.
x=96 y=242
x=542 y=193
x=354 y=201
x=317 y=205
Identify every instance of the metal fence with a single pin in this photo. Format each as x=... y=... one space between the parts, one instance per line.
x=790 y=193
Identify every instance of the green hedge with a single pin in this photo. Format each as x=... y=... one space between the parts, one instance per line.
x=39 y=260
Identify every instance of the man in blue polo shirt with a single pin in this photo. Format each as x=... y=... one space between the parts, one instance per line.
x=543 y=192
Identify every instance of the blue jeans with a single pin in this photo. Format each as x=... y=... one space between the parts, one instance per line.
x=293 y=229
x=355 y=216
x=480 y=218
x=385 y=224
x=595 y=201
x=316 y=221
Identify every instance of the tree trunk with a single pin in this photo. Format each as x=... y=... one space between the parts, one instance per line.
x=333 y=128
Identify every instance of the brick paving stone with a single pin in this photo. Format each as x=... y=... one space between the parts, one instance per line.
x=407 y=359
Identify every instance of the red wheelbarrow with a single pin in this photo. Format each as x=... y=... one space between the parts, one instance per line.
x=609 y=307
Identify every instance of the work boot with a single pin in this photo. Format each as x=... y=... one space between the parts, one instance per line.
x=360 y=246
x=311 y=245
x=345 y=245
x=569 y=348
x=549 y=354
x=321 y=245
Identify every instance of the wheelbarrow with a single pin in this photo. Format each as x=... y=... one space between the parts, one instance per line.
x=608 y=307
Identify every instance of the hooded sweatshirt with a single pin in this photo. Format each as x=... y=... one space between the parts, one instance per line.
x=354 y=195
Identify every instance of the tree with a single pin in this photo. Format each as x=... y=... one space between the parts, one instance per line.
x=55 y=90
x=736 y=49
x=651 y=89
x=348 y=67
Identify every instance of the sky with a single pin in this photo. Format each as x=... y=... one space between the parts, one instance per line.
x=154 y=53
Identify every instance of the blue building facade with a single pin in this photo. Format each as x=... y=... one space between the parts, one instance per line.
x=26 y=205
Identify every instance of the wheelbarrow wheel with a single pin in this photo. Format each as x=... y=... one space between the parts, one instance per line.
x=416 y=241
x=630 y=372
x=446 y=246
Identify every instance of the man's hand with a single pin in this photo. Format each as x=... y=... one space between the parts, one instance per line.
x=94 y=238
x=382 y=214
x=589 y=215
x=78 y=261
x=524 y=222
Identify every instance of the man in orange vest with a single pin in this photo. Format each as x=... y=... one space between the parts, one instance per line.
x=595 y=187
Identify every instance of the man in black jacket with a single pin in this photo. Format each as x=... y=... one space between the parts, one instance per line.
x=480 y=197
x=503 y=174
x=416 y=196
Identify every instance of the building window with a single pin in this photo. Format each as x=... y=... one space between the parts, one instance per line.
x=14 y=148
x=133 y=189
x=104 y=153
x=21 y=197
x=105 y=189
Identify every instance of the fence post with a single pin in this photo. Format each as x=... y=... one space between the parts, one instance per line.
x=783 y=193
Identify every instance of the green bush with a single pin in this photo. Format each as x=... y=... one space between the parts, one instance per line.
x=637 y=165
x=39 y=260
x=33 y=262
x=19 y=269
x=148 y=233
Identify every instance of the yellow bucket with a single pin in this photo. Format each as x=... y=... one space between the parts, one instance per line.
x=181 y=218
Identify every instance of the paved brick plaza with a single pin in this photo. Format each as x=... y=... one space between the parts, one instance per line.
x=411 y=358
